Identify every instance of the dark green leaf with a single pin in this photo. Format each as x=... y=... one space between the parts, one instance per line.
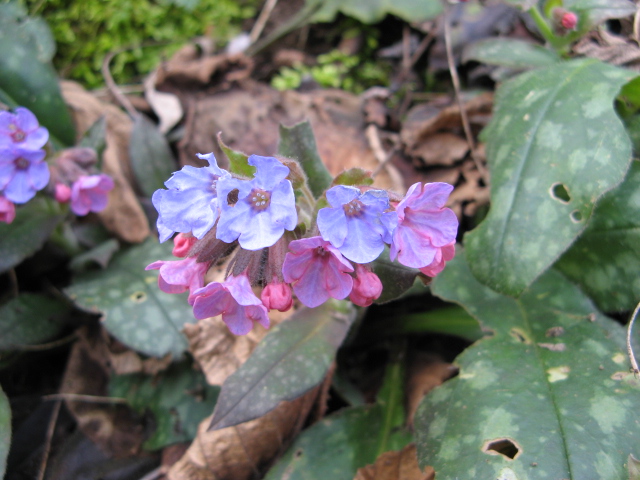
x=100 y=255
x=26 y=78
x=598 y=11
x=134 y=309
x=554 y=132
x=354 y=176
x=298 y=142
x=605 y=261
x=30 y=319
x=291 y=360
x=151 y=157
x=178 y=397
x=5 y=431
x=32 y=226
x=95 y=138
x=510 y=53
x=237 y=160
x=373 y=11
x=549 y=395
x=396 y=278
x=451 y=320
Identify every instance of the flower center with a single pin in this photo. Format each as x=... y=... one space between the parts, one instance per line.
x=320 y=252
x=354 y=208
x=260 y=199
x=21 y=163
x=17 y=135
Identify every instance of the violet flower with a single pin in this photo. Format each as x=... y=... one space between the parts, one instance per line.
x=178 y=276
x=191 y=203
x=424 y=225
x=90 y=193
x=317 y=271
x=21 y=129
x=22 y=173
x=265 y=208
x=357 y=224
x=235 y=301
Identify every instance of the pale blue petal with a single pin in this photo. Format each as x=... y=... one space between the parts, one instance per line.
x=332 y=223
x=341 y=194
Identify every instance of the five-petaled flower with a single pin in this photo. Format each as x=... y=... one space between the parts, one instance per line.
x=90 y=193
x=21 y=129
x=178 y=276
x=23 y=172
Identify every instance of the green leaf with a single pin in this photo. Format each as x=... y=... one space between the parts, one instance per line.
x=511 y=53
x=26 y=75
x=354 y=176
x=151 y=157
x=133 y=308
x=549 y=395
x=298 y=142
x=554 y=146
x=237 y=160
x=396 y=278
x=32 y=226
x=100 y=255
x=291 y=360
x=354 y=437
x=178 y=397
x=633 y=466
x=605 y=261
x=95 y=137
x=451 y=320
x=30 y=319
x=374 y=11
x=5 y=432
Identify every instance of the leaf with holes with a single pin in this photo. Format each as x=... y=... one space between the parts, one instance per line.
x=179 y=399
x=292 y=359
x=554 y=146
x=549 y=395
x=605 y=260
x=133 y=308
x=5 y=431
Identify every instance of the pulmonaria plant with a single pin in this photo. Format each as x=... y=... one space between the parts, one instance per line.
x=285 y=244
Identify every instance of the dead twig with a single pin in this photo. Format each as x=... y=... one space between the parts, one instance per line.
x=456 y=86
x=262 y=20
x=632 y=357
x=47 y=445
x=113 y=88
x=373 y=137
x=76 y=397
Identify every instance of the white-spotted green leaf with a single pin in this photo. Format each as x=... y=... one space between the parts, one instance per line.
x=548 y=395
x=179 y=399
x=133 y=308
x=5 y=432
x=511 y=53
x=554 y=146
x=605 y=261
x=30 y=319
x=292 y=359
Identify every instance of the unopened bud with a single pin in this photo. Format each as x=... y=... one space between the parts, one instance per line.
x=182 y=243
x=564 y=20
x=62 y=193
x=277 y=296
x=366 y=287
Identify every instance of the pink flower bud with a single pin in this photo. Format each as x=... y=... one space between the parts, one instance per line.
x=7 y=210
x=366 y=287
x=277 y=296
x=62 y=193
x=182 y=243
x=569 y=20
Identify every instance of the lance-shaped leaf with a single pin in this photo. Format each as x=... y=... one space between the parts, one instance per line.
x=511 y=53
x=5 y=431
x=549 y=395
x=554 y=146
x=298 y=142
x=30 y=319
x=179 y=399
x=133 y=308
x=605 y=261
x=27 y=233
x=291 y=360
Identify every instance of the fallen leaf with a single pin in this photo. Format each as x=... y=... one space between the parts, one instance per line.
x=165 y=105
x=400 y=465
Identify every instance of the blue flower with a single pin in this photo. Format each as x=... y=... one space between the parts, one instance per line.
x=191 y=203
x=265 y=208
x=23 y=172
x=357 y=224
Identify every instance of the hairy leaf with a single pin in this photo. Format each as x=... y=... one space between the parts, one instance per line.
x=179 y=399
x=554 y=146
x=133 y=308
x=354 y=176
x=549 y=395
x=291 y=360
x=5 y=431
x=511 y=53
x=605 y=260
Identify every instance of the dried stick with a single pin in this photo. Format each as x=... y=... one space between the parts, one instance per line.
x=456 y=86
x=113 y=88
x=76 y=397
x=632 y=357
x=262 y=20
x=47 y=446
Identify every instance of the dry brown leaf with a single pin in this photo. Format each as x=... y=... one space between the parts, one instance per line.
x=123 y=216
x=425 y=373
x=609 y=48
x=440 y=149
x=399 y=465
x=244 y=451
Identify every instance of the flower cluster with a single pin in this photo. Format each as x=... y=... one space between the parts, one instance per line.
x=215 y=213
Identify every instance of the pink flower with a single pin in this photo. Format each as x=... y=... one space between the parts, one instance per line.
x=179 y=275
x=424 y=225
x=277 y=296
x=317 y=271
x=7 y=210
x=89 y=193
x=366 y=287
x=235 y=301
x=182 y=243
x=443 y=255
